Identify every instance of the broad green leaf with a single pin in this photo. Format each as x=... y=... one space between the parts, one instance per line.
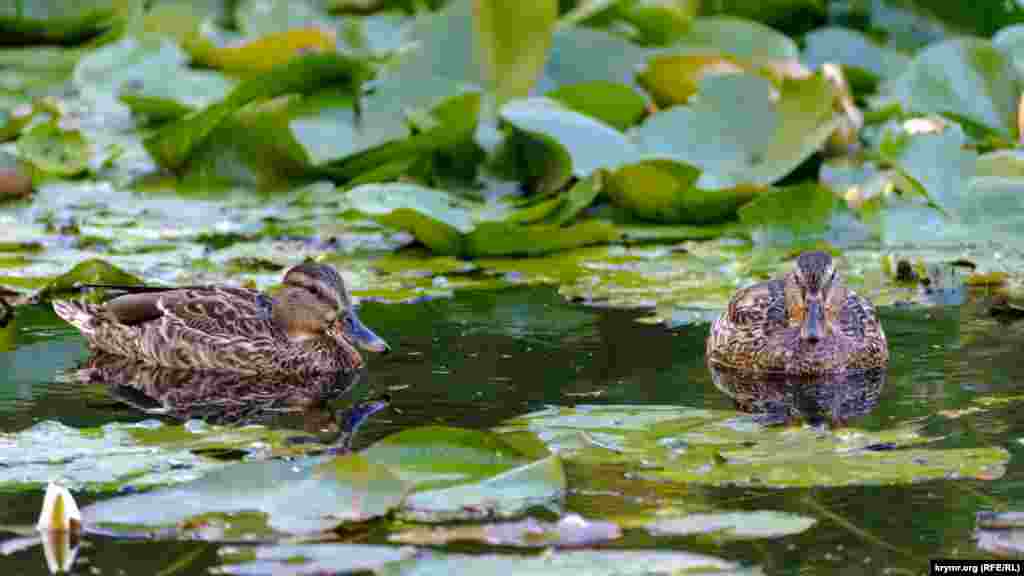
x=939 y=164
x=665 y=190
x=591 y=143
x=465 y=474
x=855 y=52
x=616 y=105
x=1010 y=41
x=791 y=213
x=586 y=55
x=172 y=145
x=264 y=53
x=345 y=558
x=120 y=456
x=93 y=271
x=761 y=133
x=433 y=217
x=964 y=78
x=994 y=208
x=54 y=150
x=732 y=525
x=293 y=497
x=513 y=39
x=674 y=78
x=677 y=444
x=571 y=530
x=741 y=38
x=508 y=239
x=54 y=21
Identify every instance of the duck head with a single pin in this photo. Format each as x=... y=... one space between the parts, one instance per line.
x=314 y=302
x=814 y=296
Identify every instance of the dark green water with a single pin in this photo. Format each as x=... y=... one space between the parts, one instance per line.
x=484 y=357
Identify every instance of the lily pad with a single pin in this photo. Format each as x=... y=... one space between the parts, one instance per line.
x=331 y=492
x=572 y=530
x=722 y=448
x=463 y=474
x=855 y=51
x=94 y=271
x=591 y=143
x=513 y=40
x=965 y=78
x=761 y=134
x=616 y=105
x=342 y=558
x=121 y=455
x=54 y=150
x=733 y=525
x=665 y=190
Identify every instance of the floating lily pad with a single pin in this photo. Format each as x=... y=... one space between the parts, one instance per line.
x=732 y=525
x=331 y=492
x=120 y=455
x=463 y=474
x=93 y=271
x=54 y=150
x=722 y=448
x=616 y=105
x=761 y=134
x=572 y=530
x=858 y=55
x=513 y=40
x=965 y=78
x=341 y=558
x=591 y=143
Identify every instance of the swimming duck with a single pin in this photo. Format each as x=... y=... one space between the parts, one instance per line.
x=308 y=327
x=807 y=323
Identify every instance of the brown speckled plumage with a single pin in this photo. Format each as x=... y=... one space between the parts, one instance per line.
x=806 y=323
x=307 y=327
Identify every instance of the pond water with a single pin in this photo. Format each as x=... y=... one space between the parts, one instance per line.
x=484 y=357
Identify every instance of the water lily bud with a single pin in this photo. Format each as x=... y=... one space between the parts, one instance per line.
x=60 y=511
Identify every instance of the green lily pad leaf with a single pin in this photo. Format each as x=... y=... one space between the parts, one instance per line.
x=123 y=455
x=572 y=530
x=580 y=55
x=166 y=97
x=964 y=78
x=53 y=21
x=54 y=150
x=616 y=105
x=733 y=525
x=762 y=133
x=994 y=208
x=463 y=474
x=722 y=448
x=513 y=40
x=673 y=79
x=1010 y=41
x=343 y=558
x=665 y=190
x=314 y=559
x=434 y=217
x=12 y=121
x=506 y=495
x=791 y=213
x=938 y=165
x=1001 y=163
x=745 y=39
x=508 y=239
x=855 y=52
x=591 y=143
x=93 y=271
x=172 y=145
x=296 y=497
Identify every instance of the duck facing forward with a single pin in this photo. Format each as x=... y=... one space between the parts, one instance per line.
x=308 y=327
x=807 y=323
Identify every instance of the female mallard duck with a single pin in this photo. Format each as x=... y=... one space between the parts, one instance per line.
x=806 y=323
x=308 y=327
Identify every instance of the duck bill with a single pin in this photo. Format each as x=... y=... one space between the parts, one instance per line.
x=365 y=338
x=813 y=327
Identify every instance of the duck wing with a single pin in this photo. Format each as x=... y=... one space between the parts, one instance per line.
x=762 y=305
x=136 y=308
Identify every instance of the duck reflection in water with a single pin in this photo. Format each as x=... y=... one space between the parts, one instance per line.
x=830 y=399
x=221 y=397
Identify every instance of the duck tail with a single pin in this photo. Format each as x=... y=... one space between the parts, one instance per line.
x=85 y=317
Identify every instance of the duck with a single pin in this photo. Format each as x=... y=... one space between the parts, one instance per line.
x=807 y=323
x=308 y=327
